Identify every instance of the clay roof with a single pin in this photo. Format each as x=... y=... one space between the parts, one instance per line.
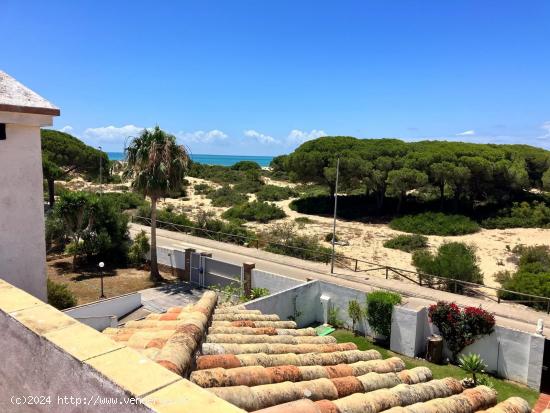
x=15 y=97
x=258 y=362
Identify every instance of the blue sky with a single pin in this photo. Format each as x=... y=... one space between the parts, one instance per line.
x=260 y=77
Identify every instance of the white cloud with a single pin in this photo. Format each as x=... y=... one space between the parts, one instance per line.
x=111 y=134
x=260 y=137
x=299 y=136
x=546 y=127
x=470 y=132
x=67 y=129
x=200 y=136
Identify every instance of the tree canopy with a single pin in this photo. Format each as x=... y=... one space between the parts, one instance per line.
x=461 y=171
x=63 y=153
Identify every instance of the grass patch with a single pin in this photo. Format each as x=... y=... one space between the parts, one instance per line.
x=254 y=211
x=303 y=220
x=407 y=243
x=504 y=388
x=435 y=223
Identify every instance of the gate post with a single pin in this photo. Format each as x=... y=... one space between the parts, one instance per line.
x=247 y=277
x=202 y=275
x=187 y=269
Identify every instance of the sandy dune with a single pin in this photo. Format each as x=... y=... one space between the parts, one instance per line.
x=365 y=240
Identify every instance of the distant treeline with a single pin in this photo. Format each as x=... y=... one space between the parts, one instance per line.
x=460 y=174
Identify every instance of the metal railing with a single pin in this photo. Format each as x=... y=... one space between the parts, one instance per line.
x=360 y=265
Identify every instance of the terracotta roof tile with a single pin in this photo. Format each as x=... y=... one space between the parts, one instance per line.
x=258 y=362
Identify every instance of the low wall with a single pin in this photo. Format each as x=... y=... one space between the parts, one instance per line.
x=298 y=303
x=509 y=353
x=99 y=323
x=98 y=313
x=273 y=282
x=49 y=358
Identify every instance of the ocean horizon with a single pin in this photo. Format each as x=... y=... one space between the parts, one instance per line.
x=209 y=159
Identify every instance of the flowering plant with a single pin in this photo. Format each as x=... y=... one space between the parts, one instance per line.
x=460 y=327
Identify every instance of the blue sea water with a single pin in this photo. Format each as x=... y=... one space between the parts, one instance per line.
x=224 y=160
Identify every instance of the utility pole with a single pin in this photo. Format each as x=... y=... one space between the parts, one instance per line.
x=100 y=171
x=334 y=220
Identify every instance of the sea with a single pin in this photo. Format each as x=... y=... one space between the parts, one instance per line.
x=223 y=160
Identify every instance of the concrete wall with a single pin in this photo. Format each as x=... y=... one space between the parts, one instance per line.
x=49 y=358
x=99 y=313
x=99 y=323
x=509 y=353
x=273 y=282
x=31 y=365
x=22 y=239
x=298 y=303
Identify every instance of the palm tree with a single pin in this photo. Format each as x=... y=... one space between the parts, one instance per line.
x=156 y=165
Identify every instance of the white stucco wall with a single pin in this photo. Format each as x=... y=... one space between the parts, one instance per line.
x=273 y=282
x=22 y=244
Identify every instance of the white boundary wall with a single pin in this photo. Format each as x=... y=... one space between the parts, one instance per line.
x=509 y=353
x=273 y=282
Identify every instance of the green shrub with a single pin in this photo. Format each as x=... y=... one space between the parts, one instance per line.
x=125 y=200
x=275 y=193
x=379 y=311
x=222 y=231
x=328 y=237
x=521 y=215
x=167 y=216
x=532 y=276
x=246 y=166
x=248 y=187
x=94 y=225
x=139 y=249
x=254 y=211
x=283 y=239
x=453 y=260
x=460 y=327
x=303 y=220
x=60 y=296
x=226 y=197
x=203 y=189
x=435 y=223
x=407 y=243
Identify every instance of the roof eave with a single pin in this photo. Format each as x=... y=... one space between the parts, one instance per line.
x=30 y=110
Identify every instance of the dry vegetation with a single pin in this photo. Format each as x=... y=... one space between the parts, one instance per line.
x=362 y=240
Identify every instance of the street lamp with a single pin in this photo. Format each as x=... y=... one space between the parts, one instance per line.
x=101 y=265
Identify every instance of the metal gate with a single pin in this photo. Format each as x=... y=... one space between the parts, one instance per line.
x=195 y=274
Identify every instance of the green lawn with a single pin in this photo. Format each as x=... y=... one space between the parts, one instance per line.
x=504 y=388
